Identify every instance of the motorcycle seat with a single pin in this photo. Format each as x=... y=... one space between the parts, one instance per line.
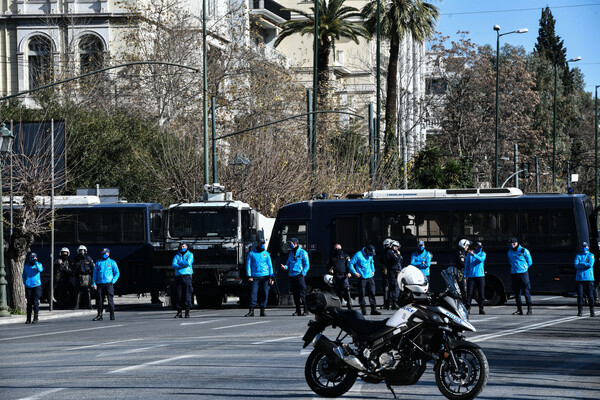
x=364 y=327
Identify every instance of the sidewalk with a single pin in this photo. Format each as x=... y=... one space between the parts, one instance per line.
x=45 y=313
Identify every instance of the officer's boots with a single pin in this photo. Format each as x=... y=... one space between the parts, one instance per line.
x=298 y=312
x=28 y=320
x=250 y=313
x=262 y=312
x=579 y=311
x=395 y=306
x=77 y=301
x=89 y=303
x=112 y=315
x=529 y=309
x=592 y=314
x=374 y=311
x=304 y=312
x=519 y=311
x=178 y=315
x=35 y=318
x=363 y=309
x=187 y=313
x=99 y=316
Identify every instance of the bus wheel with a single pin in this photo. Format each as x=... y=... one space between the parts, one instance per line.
x=494 y=292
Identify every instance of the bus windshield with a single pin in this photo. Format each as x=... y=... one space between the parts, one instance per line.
x=203 y=222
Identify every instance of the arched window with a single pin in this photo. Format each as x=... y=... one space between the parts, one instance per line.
x=40 y=61
x=91 y=53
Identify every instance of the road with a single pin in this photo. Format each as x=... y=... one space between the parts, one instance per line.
x=219 y=354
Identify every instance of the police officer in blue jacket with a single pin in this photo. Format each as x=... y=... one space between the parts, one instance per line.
x=520 y=261
x=584 y=263
x=362 y=266
x=421 y=259
x=475 y=274
x=297 y=266
x=106 y=273
x=259 y=270
x=182 y=264
x=33 y=287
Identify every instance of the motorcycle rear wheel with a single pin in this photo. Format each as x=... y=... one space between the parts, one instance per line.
x=469 y=380
x=325 y=377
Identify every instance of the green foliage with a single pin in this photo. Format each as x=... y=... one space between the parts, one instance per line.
x=433 y=170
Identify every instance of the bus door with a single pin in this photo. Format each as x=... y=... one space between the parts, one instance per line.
x=280 y=249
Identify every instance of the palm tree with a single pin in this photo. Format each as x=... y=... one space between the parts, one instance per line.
x=334 y=23
x=398 y=18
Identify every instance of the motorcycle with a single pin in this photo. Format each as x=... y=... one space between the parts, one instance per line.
x=428 y=327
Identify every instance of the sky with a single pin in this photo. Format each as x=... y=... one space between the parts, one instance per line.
x=577 y=23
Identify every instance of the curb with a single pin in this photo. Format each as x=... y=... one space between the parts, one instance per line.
x=45 y=315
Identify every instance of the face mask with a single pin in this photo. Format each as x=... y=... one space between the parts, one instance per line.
x=261 y=246
x=421 y=248
x=586 y=249
x=105 y=256
x=33 y=260
x=291 y=245
x=337 y=251
x=183 y=249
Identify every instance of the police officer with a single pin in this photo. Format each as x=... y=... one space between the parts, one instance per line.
x=459 y=261
x=584 y=263
x=182 y=264
x=259 y=270
x=362 y=266
x=338 y=267
x=83 y=267
x=297 y=266
x=392 y=260
x=475 y=274
x=63 y=272
x=33 y=287
x=106 y=273
x=520 y=261
x=421 y=259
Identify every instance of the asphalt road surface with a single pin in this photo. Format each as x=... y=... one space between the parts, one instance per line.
x=219 y=354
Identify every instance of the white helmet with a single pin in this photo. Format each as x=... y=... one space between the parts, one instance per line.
x=387 y=243
x=328 y=279
x=65 y=250
x=395 y=243
x=412 y=281
x=463 y=243
x=82 y=247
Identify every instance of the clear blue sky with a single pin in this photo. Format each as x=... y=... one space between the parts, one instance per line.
x=577 y=23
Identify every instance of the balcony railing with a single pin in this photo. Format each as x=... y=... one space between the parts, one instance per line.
x=271 y=6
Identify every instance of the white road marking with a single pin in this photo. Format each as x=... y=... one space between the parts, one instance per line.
x=42 y=394
x=58 y=333
x=202 y=322
x=483 y=319
x=539 y=325
x=130 y=351
x=278 y=340
x=166 y=360
x=235 y=326
x=100 y=344
x=550 y=298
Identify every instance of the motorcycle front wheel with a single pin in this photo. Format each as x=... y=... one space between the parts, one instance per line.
x=325 y=377
x=467 y=380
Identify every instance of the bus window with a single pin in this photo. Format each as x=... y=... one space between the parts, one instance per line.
x=434 y=229
x=548 y=228
x=290 y=230
x=64 y=229
x=248 y=231
x=99 y=227
x=346 y=233
x=371 y=230
x=156 y=227
x=133 y=226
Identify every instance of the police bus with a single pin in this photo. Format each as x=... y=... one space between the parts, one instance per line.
x=551 y=226
x=130 y=230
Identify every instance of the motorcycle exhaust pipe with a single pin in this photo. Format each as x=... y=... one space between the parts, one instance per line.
x=329 y=348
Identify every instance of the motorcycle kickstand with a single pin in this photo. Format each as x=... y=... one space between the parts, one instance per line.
x=391 y=390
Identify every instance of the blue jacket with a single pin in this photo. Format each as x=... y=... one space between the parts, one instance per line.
x=31 y=274
x=297 y=263
x=363 y=263
x=182 y=263
x=106 y=271
x=258 y=264
x=474 y=265
x=422 y=261
x=520 y=260
x=584 y=262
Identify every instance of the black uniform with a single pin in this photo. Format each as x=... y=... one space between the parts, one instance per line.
x=83 y=268
x=392 y=260
x=461 y=257
x=338 y=266
x=64 y=289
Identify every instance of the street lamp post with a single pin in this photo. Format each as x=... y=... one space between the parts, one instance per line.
x=6 y=139
x=554 y=120
x=498 y=34
x=596 y=150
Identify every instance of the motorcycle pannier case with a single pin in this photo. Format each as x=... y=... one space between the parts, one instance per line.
x=318 y=302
